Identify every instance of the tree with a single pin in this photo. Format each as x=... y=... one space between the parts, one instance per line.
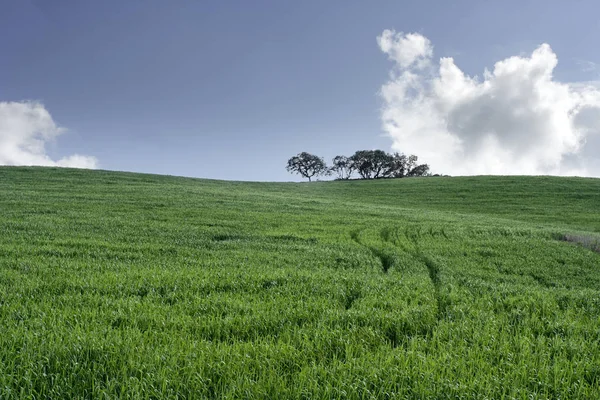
x=420 y=170
x=342 y=166
x=307 y=165
x=405 y=166
x=372 y=164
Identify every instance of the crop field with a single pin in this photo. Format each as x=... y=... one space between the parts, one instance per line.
x=121 y=285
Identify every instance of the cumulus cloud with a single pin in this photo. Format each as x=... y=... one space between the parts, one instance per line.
x=407 y=50
x=25 y=128
x=515 y=119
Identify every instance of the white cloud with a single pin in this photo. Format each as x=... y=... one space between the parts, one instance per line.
x=407 y=50
x=25 y=128
x=515 y=120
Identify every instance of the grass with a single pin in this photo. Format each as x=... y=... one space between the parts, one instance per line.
x=119 y=285
x=587 y=241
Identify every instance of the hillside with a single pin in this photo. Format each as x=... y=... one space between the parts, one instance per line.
x=144 y=286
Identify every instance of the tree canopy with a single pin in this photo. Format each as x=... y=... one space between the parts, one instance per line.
x=307 y=165
x=368 y=164
x=374 y=164
x=342 y=167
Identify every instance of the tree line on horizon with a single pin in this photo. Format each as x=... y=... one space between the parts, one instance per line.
x=368 y=164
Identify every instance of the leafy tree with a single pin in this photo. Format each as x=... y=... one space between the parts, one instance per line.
x=405 y=166
x=401 y=165
x=420 y=170
x=307 y=165
x=372 y=164
x=343 y=167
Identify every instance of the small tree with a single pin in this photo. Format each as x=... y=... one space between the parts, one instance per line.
x=307 y=165
x=405 y=166
x=342 y=166
x=420 y=170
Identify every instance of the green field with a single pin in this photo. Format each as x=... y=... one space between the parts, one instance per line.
x=121 y=285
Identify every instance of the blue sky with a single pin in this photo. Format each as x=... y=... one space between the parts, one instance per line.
x=232 y=89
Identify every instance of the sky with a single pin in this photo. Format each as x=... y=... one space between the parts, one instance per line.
x=232 y=89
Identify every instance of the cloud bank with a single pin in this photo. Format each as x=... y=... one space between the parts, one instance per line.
x=25 y=128
x=516 y=119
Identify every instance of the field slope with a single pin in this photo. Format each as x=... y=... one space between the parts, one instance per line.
x=120 y=285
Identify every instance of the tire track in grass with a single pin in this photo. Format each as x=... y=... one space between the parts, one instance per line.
x=392 y=236
x=387 y=259
x=398 y=331
x=434 y=274
x=352 y=293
